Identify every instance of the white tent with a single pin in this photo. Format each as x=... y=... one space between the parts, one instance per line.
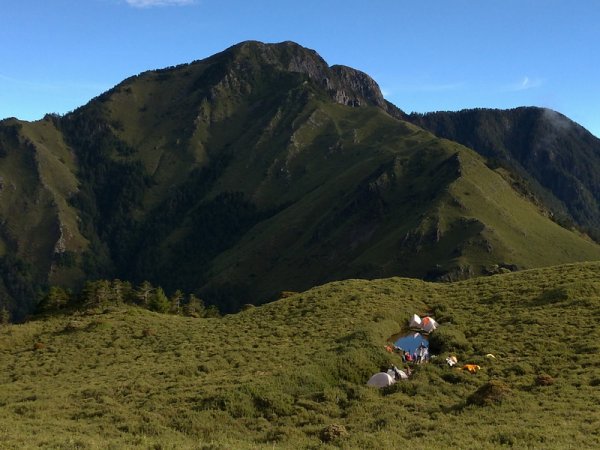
x=415 y=322
x=401 y=373
x=428 y=324
x=380 y=380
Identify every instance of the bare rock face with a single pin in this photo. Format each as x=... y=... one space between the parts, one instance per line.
x=355 y=88
x=345 y=85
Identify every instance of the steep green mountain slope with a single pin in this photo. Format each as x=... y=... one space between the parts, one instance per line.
x=38 y=228
x=257 y=170
x=280 y=375
x=555 y=159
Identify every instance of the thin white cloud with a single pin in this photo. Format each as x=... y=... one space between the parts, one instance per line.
x=525 y=84
x=153 y=3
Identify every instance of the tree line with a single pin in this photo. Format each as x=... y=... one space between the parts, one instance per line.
x=104 y=293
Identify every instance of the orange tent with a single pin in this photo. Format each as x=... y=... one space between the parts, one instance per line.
x=428 y=324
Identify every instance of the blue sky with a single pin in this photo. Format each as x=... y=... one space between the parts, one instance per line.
x=426 y=55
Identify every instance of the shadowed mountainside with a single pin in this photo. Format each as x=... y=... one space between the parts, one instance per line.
x=555 y=159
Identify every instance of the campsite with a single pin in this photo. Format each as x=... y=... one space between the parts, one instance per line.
x=413 y=349
x=292 y=374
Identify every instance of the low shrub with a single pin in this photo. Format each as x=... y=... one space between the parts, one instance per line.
x=238 y=403
x=73 y=325
x=449 y=339
x=333 y=432
x=456 y=377
x=519 y=369
x=283 y=434
x=553 y=296
x=494 y=391
x=544 y=379
x=146 y=332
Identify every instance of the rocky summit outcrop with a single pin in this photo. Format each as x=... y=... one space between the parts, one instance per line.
x=345 y=85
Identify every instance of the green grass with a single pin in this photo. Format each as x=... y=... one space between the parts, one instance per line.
x=278 y=375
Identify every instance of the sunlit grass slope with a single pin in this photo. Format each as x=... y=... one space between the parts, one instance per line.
x=281 y=375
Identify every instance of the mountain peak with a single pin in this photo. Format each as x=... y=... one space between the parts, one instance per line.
x=345 y=85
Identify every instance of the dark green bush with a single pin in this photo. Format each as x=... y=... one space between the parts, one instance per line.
x=271 y=403
x=456 y=376
x=520 y=369
x=238 y=403
x=449 y=339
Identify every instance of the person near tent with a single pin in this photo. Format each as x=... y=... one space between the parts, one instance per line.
x=422 y=353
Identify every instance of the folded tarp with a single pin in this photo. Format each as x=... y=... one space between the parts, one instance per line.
x=451 y=360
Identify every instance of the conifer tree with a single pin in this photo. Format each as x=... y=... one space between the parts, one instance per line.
x=56 y=298
x=175 y=301
x=87 y=295
x=194 y=307
x=117 y=291
x=96 y=293
x=143 y=293
x=128 y=292
x=159 y=301
x=212 y=311
x=103 y=292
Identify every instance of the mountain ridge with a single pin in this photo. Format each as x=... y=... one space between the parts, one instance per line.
x=557 y=158
x=256 y=170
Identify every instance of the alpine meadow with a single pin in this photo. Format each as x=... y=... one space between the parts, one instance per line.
x=220 y=254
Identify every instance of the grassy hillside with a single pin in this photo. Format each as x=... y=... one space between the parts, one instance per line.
x=291 y=373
